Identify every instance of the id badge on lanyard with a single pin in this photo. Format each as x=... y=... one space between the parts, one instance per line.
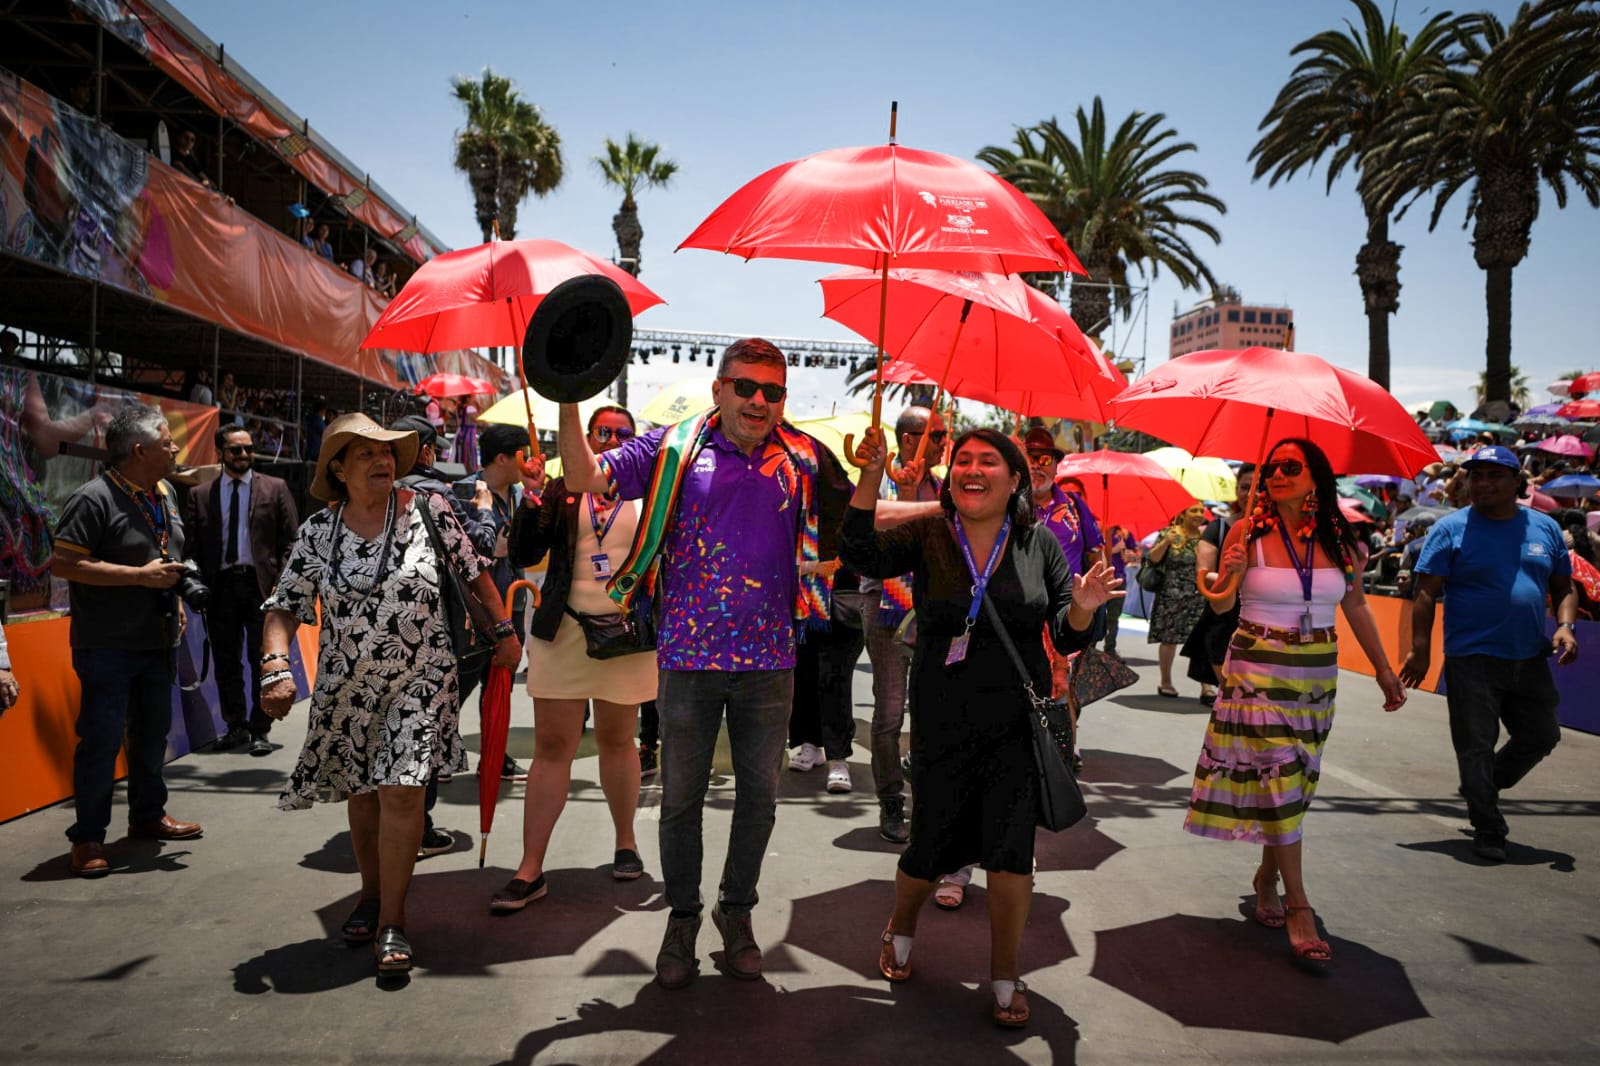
x=980 y=585
x=600 y=562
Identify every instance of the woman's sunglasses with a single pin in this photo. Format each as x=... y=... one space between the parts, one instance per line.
x=1290 y=467
x=744 y=388
x=604 y=434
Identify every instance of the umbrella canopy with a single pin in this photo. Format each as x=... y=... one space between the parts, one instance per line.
x=484 y=296
x=512 y=410
x=1584 y=384
x=1412 y=514
x=677 y=401
x=1566 y=445
x=1203 y=477
x=1029 y=403
x=833 y=429
x=1572 y=486
x=979 y=328
x=1236 y=403
x=1537 y=410
x=1580 y=409
x=1366 y=481
x=1559 y=388
x=441 y=385
x=882 y=206
x=1475 y=425
x=1121 y=489
x=1370 y=501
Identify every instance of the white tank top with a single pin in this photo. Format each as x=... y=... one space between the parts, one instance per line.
x=1272 y=595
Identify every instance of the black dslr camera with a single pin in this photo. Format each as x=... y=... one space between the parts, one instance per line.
x=190 y=589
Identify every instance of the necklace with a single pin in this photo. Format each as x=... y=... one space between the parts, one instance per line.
x=335 y=570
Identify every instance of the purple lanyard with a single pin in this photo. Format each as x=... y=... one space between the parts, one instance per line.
x=594 y=520
x=1303 y=569
x=980 y=582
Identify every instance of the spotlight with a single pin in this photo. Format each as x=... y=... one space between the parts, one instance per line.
x=794 y=360
x=675 y=354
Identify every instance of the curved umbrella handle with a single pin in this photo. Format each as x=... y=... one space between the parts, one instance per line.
x=511 y=592
x=1225 y=587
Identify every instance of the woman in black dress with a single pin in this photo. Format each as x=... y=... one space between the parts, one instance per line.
x=977 y=790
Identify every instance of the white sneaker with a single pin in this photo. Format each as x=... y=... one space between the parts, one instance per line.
x=839 y=776
x=805 y=757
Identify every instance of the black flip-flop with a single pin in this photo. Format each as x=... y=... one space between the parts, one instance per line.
x=362 y=923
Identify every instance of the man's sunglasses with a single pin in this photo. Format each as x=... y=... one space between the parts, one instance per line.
x=1042 y=459
x=936 y=437
x=604 y=434
x=744 y=388
x=239 y=449
x=1290 y=468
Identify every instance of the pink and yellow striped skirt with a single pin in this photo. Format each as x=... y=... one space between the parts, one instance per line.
x=1262 y=754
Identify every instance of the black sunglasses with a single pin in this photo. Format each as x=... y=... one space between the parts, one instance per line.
x=1290 y=467
x=239 y=449
x=606 y=433
x=937 y=436
x=744 y=388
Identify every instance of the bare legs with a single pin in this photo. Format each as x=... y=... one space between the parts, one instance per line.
x=385 y=831
x=1167 y=653
x=558 y=726
x=1010 y=899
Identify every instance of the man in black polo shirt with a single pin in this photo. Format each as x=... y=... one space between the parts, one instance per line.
x=118 y=544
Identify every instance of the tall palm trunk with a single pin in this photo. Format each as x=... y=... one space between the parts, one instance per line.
x=1508 y=203
x=1090 y=299
x=1378 y=269
x=482 y=177
x=630 y=238
x=511 y=186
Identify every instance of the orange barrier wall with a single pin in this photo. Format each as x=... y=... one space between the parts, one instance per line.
x=1393 y=616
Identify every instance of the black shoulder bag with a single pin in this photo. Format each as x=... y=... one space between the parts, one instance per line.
x=469 y=623
x=607 y=636
x=1061 y=803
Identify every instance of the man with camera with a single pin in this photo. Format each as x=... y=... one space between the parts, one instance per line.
x=119 y=545
x=243 y=525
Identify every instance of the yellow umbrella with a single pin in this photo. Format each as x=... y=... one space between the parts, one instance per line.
x=677 y=401
x=511 y=410
x=1205 y=477
x=833 y=429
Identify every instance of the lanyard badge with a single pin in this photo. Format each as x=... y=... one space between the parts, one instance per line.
x=600 y=562
x=980 y=584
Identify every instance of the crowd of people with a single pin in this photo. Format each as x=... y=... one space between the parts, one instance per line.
x=724 y=569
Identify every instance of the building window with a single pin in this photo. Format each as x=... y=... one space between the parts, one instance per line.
x=1233 y=316
x=1249 y=316
x=1283 y=318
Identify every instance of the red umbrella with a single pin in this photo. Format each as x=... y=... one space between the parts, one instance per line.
x=1232 y=403
x=1584 y=384
x=441 y=385
x=1580 y=409
x=964 y=326
x=1126 y=490
x=496 y=724
x=1028 y=403
x=884 y=206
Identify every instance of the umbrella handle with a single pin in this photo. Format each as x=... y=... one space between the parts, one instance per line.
x=859 y=464
x=511 y=592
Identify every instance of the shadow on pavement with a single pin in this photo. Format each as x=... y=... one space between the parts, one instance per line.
x=1216 y=973
x=1125 y=769
x=126 y=856
x=1516 y=854
x=719 y=1020
x=1083 y=847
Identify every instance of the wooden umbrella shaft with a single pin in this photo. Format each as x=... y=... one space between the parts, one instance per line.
x=939 y=390
x=877 y=384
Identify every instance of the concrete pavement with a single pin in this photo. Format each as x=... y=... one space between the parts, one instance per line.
x=225 y=949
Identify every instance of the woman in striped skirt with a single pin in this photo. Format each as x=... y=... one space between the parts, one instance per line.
x=1262 y=754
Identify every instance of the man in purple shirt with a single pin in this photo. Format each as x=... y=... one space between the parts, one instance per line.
x=726 y=592
x=1061 y=511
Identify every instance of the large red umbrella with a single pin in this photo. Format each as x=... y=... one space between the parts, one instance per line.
x=496 y=724
x=1234 y=403
x=886 y=206
x=1127 y=490
x=441 y=385
x=1584 y=384
x=1045 y=402
x=1580 y=409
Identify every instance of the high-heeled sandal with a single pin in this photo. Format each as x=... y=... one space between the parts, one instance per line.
x=887 y=965
x=1312 y=954
x=393 y=950
x=1271 y=917
x=1016 y=1015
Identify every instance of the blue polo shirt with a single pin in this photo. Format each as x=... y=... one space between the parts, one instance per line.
x=1496 y=577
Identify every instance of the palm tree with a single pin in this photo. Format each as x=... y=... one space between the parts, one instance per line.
x=1519 y=390
x=506 y=149
x=632 y=166
x=1113 y=201
x=1520 y=105
x=1338 y=103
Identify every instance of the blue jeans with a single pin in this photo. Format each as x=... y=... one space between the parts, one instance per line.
x=1482 y=692
x=691 y=704
x=124 y=692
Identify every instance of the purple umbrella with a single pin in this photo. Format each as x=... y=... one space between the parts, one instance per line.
x=1542 y=409
x=1377 y=481
x=1567 y=445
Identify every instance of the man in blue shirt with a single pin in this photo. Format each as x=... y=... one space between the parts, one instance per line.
x=1493 y=563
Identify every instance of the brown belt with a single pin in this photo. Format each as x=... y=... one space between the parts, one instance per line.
x=1291 y=636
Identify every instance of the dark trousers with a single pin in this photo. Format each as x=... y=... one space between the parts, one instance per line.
x=692 y=706
x=649 y=725
x=1483 y=692
x=824 y=711
x=233 y=622
x=124 y=692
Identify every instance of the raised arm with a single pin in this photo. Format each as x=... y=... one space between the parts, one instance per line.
x=579 y=467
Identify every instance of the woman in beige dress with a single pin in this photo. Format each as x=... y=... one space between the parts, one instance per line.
x=587 y=537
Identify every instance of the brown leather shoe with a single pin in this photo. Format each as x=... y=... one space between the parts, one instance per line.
x=168 y=828
x=89 y=859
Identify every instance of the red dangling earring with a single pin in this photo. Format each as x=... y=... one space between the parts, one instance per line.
x=1308 y=516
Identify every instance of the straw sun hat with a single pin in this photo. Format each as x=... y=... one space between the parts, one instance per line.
x=346 y=428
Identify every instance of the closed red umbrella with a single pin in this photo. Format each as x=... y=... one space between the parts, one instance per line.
x=883 y=206
x=496 y=724
x=1127 y=490
x=441 y=385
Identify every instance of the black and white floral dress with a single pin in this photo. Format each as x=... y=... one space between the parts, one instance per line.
x=386 y=706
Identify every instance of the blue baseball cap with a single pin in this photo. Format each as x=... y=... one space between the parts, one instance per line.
x=1498 y=454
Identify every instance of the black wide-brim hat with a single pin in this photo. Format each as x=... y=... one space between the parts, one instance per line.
x=578 y=340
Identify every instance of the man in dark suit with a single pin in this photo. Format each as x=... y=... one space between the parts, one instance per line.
x=244 y=524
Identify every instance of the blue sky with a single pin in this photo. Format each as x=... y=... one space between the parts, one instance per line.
x=729 y=90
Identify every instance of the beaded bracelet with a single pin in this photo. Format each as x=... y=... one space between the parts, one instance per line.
x=273 y=677
x=271 y=655
x=505 y=628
